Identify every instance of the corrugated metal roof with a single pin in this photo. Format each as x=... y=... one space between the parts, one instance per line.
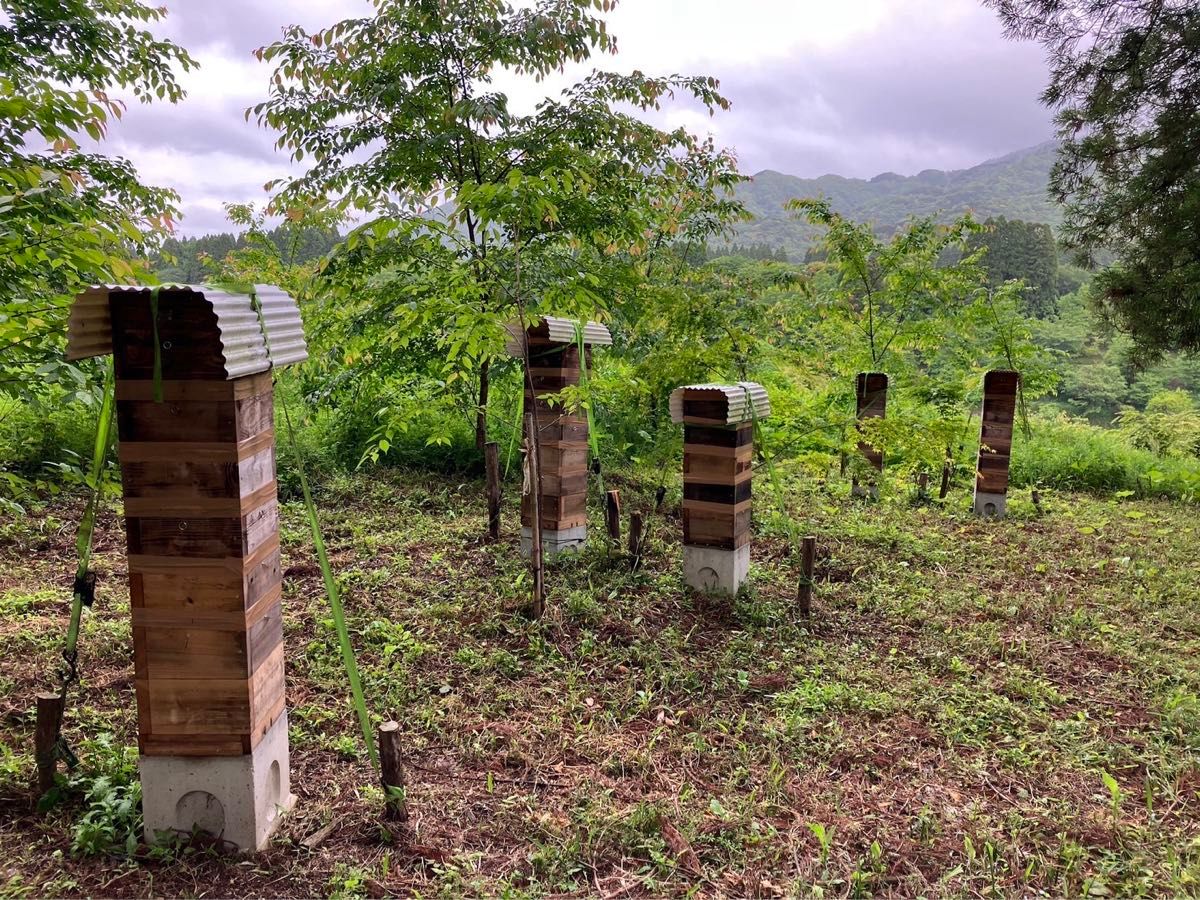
x=89 y=329
x=746 y=400
x=243 y=347
x=562 y=331
x=285 y=330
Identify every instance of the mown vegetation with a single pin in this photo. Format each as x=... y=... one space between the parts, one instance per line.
x=976 y=707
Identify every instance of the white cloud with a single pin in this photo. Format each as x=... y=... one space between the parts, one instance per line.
x=854 y=87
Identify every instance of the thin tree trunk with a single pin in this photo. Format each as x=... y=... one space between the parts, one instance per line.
x=481 y=428
x=535 y=478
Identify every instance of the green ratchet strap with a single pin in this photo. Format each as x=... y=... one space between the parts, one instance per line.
x=84 y=590
x=310 y=508
x=593 y=439
x=793 y=531
x=335 y=600
x=158 y=388
x=517 y=429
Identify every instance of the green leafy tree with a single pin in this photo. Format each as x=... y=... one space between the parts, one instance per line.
x=476 y=211
x=1124 y=80
x=1169 y=425
x=1025 y=251
x=69 y=217
x=918 y=307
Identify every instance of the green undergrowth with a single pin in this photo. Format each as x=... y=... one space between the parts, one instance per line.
x=974 y=708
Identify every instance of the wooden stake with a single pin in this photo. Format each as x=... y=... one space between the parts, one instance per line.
x=947 y=468
x=491 y=459
x=45 y=738
x=612 y=515
x=635 y=541
x=1036 y=496
x=535 y=477
x=391 y=768
x=808 y=557
x=659 y=496
x=923 y=486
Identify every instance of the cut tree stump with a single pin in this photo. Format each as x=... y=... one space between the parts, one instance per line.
x=391 y=767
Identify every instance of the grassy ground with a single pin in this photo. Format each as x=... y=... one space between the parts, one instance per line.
x=975 y=708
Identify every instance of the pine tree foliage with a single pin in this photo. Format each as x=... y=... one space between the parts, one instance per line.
x=1125 y=81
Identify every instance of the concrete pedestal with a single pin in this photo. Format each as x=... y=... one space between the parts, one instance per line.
x=236 y=798
x=864 y=491
x=715 y=571
x=991 y=506
x=554 y=542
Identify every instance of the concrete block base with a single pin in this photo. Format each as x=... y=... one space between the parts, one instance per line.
x=554 y=543
x=864 y=491
x=991 y=506
x=715 y=571
x=236 y=798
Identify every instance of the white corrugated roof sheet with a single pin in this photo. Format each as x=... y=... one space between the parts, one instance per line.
x=746 y=400
x=562 y=331
x=248 y=345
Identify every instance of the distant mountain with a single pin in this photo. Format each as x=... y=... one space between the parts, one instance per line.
x=1013 y=186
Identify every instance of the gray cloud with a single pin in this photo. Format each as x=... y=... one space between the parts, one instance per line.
x=909 y=96
x=898 y=101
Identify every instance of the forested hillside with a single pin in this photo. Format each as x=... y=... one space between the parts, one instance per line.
x=1013 y=186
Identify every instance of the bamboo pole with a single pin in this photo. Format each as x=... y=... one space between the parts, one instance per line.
x=491 y=456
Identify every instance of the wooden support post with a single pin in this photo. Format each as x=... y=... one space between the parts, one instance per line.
x=535 y=489
x=391 y=767
x=808 y=557
x=947 y=471
x=1036 y=497
x=923 y=486
x=659 y=496
x=612 y=515
x=635 y=541
x=45 y=738
x=491 y=458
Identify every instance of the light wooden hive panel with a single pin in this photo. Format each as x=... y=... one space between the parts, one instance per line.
x=562 y=433
x=717 y=472
x=202 y=523
x=996 y=431
x=871 y=389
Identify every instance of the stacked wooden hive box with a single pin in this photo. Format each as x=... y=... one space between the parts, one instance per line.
x=995 y=442
x=557 y=348
x=870 y=396
x=718 y=454
x=195 y=417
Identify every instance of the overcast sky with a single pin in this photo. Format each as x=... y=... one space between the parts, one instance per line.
x=852 y=87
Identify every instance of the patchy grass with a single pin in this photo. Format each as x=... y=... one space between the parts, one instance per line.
x=975 y=708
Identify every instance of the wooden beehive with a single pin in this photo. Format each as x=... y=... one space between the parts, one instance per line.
x=555 y=359
x=996 y=431
x=718 y=452
x=201 y=514
x=870 y=394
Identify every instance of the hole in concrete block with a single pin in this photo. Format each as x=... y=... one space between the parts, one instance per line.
x=709 y=578
x=200 y=809
x=989 y=509
x=274 y=788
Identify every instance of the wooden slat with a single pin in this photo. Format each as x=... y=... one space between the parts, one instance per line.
x=716 y=508
x=196 y=391
x=208 y=451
